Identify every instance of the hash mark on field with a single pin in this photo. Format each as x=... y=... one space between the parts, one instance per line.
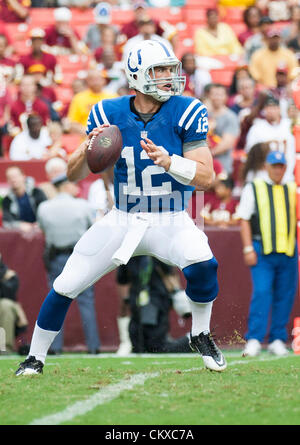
x=113 y=391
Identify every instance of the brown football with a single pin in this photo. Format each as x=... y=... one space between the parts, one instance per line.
x=104 y=149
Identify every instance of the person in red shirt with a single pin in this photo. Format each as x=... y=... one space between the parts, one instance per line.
x=14 y=11
x=131 y=28
x=4 y=60
x=26 y=104
x=37 y=61
x=221 y=209
x=62 y=38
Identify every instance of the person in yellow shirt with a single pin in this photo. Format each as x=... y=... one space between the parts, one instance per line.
x=265 y=61
x=216 y=38
x=83 y=102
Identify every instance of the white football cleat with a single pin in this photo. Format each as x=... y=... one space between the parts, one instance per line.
x=277 y=347
x=252 y=348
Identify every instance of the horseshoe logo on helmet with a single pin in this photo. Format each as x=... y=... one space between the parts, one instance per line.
x=134 y=70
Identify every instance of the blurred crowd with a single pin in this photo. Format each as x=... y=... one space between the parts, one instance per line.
x=246 y=71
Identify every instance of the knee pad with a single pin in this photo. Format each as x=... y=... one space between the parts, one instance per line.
x=202 y=282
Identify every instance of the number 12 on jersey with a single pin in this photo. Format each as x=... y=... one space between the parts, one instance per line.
x=147 y=189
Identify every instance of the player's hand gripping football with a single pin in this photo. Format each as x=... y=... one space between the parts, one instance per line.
x=94 y=132
x=156 y=154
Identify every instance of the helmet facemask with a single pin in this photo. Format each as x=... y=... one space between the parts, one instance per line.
x=176 y=81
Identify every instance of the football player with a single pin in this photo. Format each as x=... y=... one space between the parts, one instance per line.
x=164 y=157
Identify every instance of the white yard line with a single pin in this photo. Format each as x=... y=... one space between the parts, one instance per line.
x=113 y=391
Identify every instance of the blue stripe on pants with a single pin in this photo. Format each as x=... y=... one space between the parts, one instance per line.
x=275 y=281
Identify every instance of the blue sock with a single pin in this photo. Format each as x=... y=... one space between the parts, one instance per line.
x=53 y=311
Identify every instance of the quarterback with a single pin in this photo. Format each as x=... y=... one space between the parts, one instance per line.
x=164 y=157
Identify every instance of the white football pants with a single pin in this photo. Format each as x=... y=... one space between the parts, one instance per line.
x=171 y=237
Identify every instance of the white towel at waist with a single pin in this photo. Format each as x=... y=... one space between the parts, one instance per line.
x=134 y=235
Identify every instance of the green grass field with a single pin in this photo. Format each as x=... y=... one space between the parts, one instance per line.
x=152 y=390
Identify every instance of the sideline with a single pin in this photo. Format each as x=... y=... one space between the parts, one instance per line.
x=113 y=391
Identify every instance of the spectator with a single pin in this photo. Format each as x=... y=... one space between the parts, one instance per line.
x=258 y=40
x=22 y=201
x=6 y=101
x=251 y=17
x=254 y=166
x=221 y=211
x=264 y=62
x=82 y=103
x=268 y=231
x=223 y=127
x=282 y=91
x=146 y=26
x=276 y=131
x=77 y=85
x=216 y=38
x=39 y=62
x=245 y=97
x=54 y=168
x=102 y=15
x=57 y=147
x=241 y=72
x=113 y=71
x=131 y=28
x=12 y=316
x=32 y=142
x=6 y=62
x=63 y=220
x=291 y=31
x=109 y=40
x=61 y=38
x=151 y=296
x=26 y=104
x=196 y=78
x=14 y=11
x=278 y=10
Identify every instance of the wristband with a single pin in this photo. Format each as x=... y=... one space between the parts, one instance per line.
x=182 y=169
x=248 y=249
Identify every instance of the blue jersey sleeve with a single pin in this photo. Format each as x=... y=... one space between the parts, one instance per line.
x=96 y=117
x=193 y=121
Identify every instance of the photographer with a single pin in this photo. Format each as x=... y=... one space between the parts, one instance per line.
x=154 y=289
x=12 y=317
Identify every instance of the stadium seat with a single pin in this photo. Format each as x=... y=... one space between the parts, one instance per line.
x=222 y=76
x=232 y=15
x=64 y=94
x=298 y=205
x=70 y=142
x=205 y=4
x=71 y=63
x=119 y=17
x=229 y=62
x=297 y=169
x=41 y=17
x=171 y=15
x=68 y=78
x=82 y=16
x=194 y=16
x=297 y=137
